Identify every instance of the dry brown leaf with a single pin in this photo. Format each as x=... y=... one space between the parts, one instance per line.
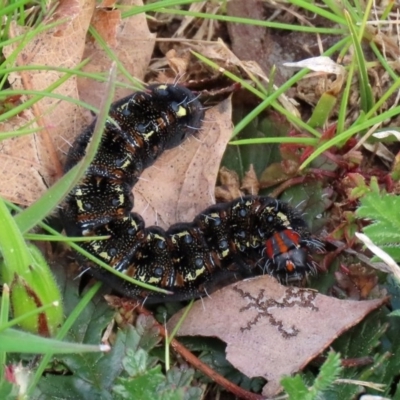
x=357 y=280
x=230 y=185
x=129 y=40
x=179 y=63
x=181 y=183
x=41 y=153
x=15 y=166
x=272 y=330
x=250 y=181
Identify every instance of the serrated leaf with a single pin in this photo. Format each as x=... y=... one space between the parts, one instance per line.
x=140 y=387
x=329 y=371
x=180 y=378
x=360 y=342
x=380 y=207
x=385 y=227
x=135 y=363
x=393 y=252
x=294 y=387
x=146 y=382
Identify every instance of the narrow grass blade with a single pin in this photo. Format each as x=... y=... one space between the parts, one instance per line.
x=367 y=99
x=15 y=341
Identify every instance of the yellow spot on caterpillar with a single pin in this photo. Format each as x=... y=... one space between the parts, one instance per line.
x=96 y=247
x=182 y=234
x=283 y=218
x=147 y=135
x=193 y=276
x=211 y=217
x=179 y=235
x=79 y=203
x=104 y=256
x=182 y=112
x=151 y=280
x=225 y=253
x=162 y=87
x=126 y=163
x=159 y=237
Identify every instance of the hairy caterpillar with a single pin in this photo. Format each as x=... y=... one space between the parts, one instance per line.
x=247 y=236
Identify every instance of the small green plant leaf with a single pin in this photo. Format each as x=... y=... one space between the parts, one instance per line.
x=384 y=230
x=322 y=110
x=142 y=381
x=295 y=387
x=330 y=370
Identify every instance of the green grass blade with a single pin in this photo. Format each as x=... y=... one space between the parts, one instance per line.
x=367 y=99
x=15 y=341
x=4 y=312
x=345 y=99
x=255 y=22
x=344 y=136
x=322 y=110
x=294 y=140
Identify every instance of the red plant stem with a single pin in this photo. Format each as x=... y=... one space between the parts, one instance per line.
x=357 y=362
x=348 y=362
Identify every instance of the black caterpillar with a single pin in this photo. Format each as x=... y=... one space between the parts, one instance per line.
x=248 y=236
